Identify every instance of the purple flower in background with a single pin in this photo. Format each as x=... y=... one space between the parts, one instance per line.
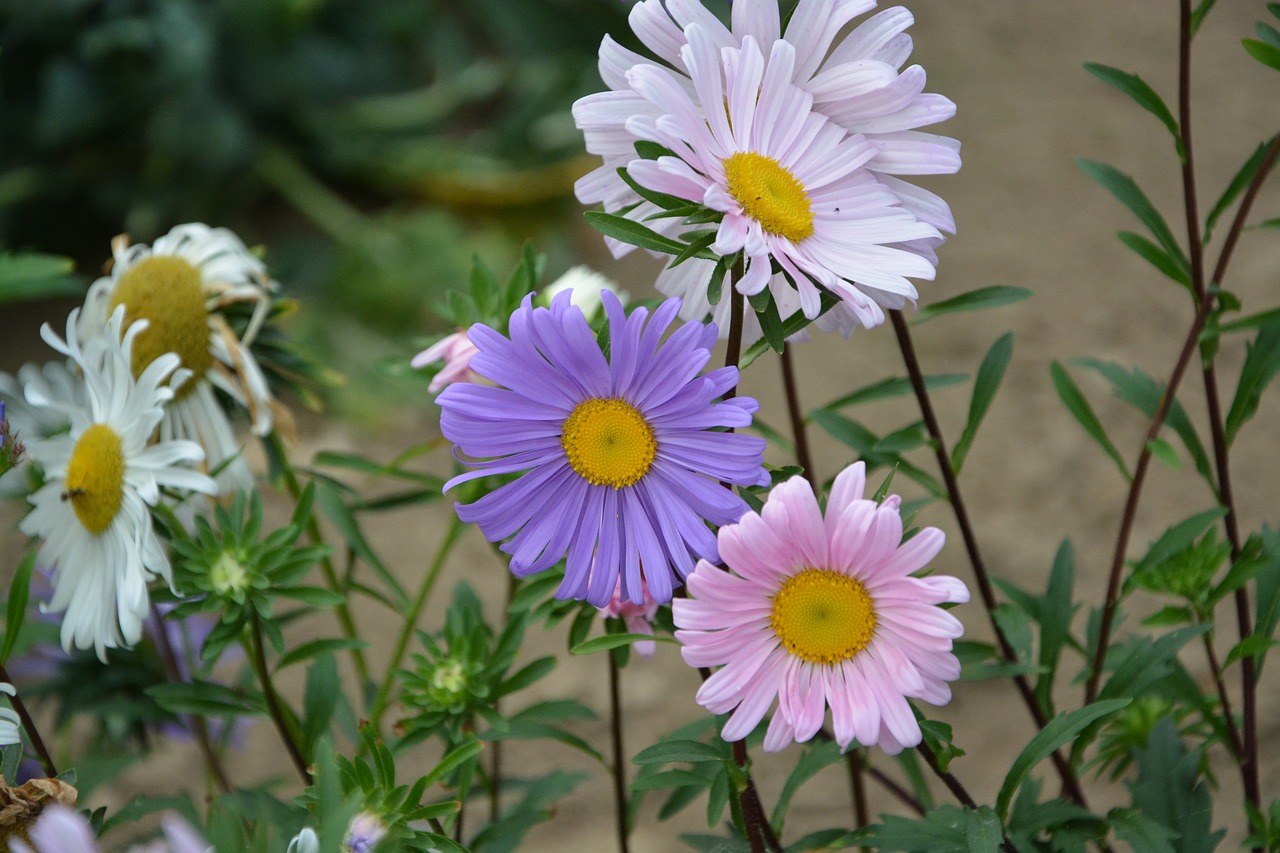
x=618 y=459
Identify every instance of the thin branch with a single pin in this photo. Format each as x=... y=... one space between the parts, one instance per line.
x=799 y=432
x=980 y=573
x=29 y=726
x=619 y=768
x=197 y=723
x=274 y=709
x=954 y=786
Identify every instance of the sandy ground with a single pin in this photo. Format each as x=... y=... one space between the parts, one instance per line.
x=1027 y=217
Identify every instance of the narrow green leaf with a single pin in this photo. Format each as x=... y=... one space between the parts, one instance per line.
x=32 y=276
x=1157 y=257
x=1076 y=403
x=894 y=387
x=16 y=611
x=1267 y=54
x=613 y=641
x=525 y=676
x=1164 y=451
x=974 y=300
x=632 y=232
x=319 y=701
x=819 y=755
x=1197 y=17
x=1241 y=180
x=667 y=752
x=1142 y=93
x=313 y=595
x=1140 y=831
x=666 y=202
x=982 y=830
x=1250 y=647
x=206 y=699
x=1055 y=621
x=1131 y=196
x=790 y=326
x=1057 y=732
x=315 y=648
x=1261 y=364
x=332 y=505
x=669 y=779
x=453 y=759
x=1270 y=317
x=990 y=373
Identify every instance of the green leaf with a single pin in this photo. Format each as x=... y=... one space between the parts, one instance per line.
x=1131 y=196
x=942 y=830
x=1164 y=451
x=1197 y=17
x=1238 y=183
x=313 y=595
x=666 y=202
x=1169 y=792
x=453 y=759
x=1252 y=646
x=669 y=779
x=667 y=752
x=525 y=676
x=1076 y=403
x=1262 y=319
x=205 y=699
x=31 y=276
x=332 y=505
x=790 y=326
x=1146 y=97
x=982 y=830
x=613 y=641
x=320 y=699
x=1143 y=392
x=990 y=373
x=820 y=755
x=974 y=300
x=1057 y=732
x=1261 y=364
x=1140 y=831
x=632 y=232
x=1055 y=621
x=315 y=648
x=541 y=731
x=1157 y=257
x=1267 y=54
x=894 y=387
x=16 y=610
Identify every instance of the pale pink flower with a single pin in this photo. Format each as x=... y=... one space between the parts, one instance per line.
x=822 y=612
x=64 y=830
x=455 y=351
x=637 y=617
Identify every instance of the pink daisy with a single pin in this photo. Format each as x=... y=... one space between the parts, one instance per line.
x=455 y=351
x=822 y=612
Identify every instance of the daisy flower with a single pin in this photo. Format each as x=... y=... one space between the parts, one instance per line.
x=100 y=479
x=856 y=80
x=617 y=456
x=790 y=183
x=637 y=617
x=181 y=284
x=822 y=612
x=586 y=285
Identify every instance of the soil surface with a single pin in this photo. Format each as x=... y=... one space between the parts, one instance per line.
x=1026 y=216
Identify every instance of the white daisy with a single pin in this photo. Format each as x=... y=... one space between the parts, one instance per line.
x=856 y=79
x=791 y=184
x=10 y=725
x=55 y=391
x=100 y=479
x=181 y=284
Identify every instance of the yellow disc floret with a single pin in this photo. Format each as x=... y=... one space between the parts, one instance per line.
x=166 y=291
x=95 y=478
x=608 y=442
x=770 y=194
x=823 y=616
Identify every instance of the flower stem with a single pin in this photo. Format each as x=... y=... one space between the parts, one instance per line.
x=380 y=699
x=619 y=768
x=980 y=573
x=29 y=726
x=274 y=708
x=858 y=787
x=345 y=619
x=798 y=431
x=737 y=305
x=197 y=723
x=954 y=786
x=1247 y=752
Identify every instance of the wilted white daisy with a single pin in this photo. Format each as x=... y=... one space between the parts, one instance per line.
x=100 y=479
x=855 y=78
x=181 y=284
x=584 y=285
x=791 y=184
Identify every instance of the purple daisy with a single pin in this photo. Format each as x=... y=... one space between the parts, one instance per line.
x=621 y=464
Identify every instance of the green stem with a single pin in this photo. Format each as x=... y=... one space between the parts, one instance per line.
x=274 y=708
x=380 y=699
x=343 y=611
x=619 y=767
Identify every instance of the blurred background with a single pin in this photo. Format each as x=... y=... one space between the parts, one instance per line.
x=375 y=146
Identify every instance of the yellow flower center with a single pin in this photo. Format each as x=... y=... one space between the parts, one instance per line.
x=770 y=194
x=166 y=291
x=823 y=616
x=95 y=478
x=608 y=442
